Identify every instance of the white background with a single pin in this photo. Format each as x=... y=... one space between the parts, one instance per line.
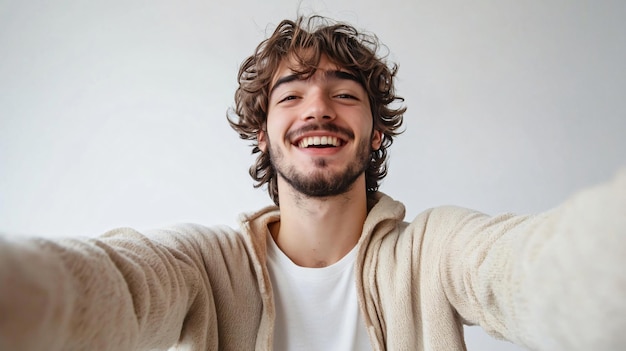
x=112 y=113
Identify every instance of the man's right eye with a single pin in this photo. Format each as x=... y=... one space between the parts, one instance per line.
x=287 y=98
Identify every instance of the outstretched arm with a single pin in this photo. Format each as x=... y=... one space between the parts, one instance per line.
x=118 y=292
x=553 y=281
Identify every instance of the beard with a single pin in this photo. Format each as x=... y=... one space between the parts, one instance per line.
x=321 y=182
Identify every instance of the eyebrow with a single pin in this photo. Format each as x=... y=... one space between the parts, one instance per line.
x=335 y=75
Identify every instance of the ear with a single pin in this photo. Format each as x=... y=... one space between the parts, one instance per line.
x=377 y=139
x=261 y=138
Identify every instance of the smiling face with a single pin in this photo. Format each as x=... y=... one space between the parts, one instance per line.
x=319 y=131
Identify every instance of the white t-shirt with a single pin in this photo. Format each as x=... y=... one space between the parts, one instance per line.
x=316 y=308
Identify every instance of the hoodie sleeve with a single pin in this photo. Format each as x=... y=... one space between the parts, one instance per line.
x=552 y=281
x=121 y=291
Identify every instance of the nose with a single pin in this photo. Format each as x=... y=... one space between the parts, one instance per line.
x=318 y=106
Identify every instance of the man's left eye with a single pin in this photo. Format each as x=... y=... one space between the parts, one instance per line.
x=346 y=96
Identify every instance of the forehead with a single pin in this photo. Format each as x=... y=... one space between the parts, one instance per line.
x=324 y=68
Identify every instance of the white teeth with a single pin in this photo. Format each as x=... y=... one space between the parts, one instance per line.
x=317 y=140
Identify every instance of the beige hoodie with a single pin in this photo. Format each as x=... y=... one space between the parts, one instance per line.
x=554 y=281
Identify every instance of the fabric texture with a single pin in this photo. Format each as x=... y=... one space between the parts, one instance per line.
x=315 y=308
x=553 y=281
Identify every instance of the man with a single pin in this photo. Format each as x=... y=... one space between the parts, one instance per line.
x=333 y=266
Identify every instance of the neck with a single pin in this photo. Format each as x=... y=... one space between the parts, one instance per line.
x=317 y=232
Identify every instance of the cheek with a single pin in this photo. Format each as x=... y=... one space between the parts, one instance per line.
x=277 y=126
x=273 y=131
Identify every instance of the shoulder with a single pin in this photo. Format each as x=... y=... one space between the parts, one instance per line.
x=183 y=239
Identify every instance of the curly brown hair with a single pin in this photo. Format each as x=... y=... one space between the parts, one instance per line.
x=305 y=40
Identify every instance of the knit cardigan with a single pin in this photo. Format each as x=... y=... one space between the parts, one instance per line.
x=552 y=281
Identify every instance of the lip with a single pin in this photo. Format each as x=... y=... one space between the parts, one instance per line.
x=319 y=151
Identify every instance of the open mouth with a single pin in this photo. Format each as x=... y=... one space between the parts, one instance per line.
x=319 y=142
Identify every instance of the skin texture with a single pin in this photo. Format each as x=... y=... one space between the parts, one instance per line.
x=322 y=190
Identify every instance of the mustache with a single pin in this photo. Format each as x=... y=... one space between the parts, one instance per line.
x=327 y=127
